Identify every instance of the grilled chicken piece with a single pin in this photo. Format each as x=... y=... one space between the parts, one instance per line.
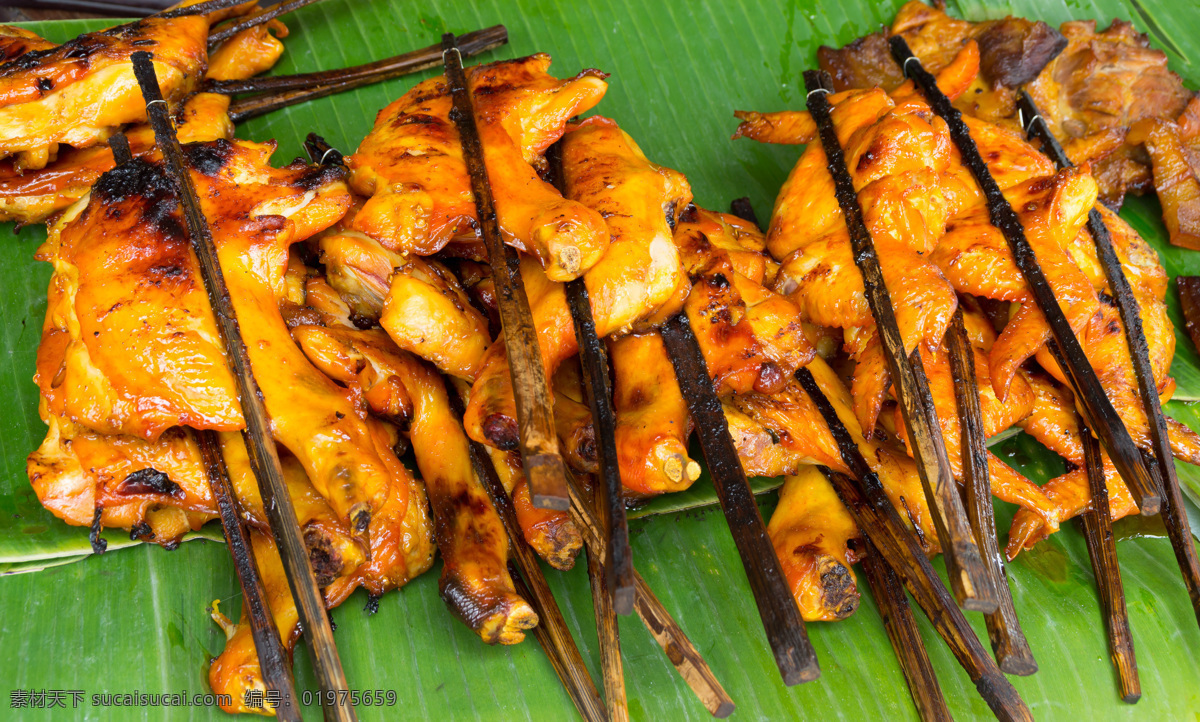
x=1105 y=80
x=15 y=41
x=129 y=344
x=653 y=425
x=573 y=420
x=156 y=489
x=332 y=551
x=1012 y=52
x=29 y=196
x=475 y=583
x=751 y=337
x=1175 y=178
x=1006 y=483
x=411 y=167
x=975 y=257
x=552 y=534
x=80 y=92
x=815 y=539
x=898 y=159
x=639 y=272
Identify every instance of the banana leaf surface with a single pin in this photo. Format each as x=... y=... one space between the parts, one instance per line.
x=136 y=620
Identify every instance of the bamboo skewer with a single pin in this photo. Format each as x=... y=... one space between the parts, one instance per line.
x=283 y=90
x=682 y=654
x=203 y=8
x=611 y=666
x=473 y=43
x=610 y=510
x=879 y=522
x=1089 y=392
x=1004 y=629
x=969 y=578
x=253 y=21
x=1163 y=460
x=273 y=660
x=264 y=458
x=1102 y=550
x=535 y=411
x=905 y=637
x=552 y=632
x=785 y=631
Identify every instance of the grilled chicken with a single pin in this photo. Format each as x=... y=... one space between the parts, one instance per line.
x=411 y=167
x=31 y=196
x=129 y=344
x=638 y=273
x=1012 y=52
x=475 y=583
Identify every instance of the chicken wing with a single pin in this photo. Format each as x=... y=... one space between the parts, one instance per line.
x=411 y=166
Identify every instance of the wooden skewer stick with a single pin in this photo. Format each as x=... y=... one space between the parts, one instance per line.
x=1089 y=392
x=905 y=637
x=254 y=21
x=611 y=666
x=273 y=660
x=1102 y=550
x=1004 y=629
x=286 y=90
x=879 y=522
x=789 y=642
x=203 y=8
x=682 y=654
x=969 y=577
x=530 y=583
x=535 y=406
x=264 y=457
x=414 y=61
x=1163 y=460
x=597 y=386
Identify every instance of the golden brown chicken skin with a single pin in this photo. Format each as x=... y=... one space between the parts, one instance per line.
x=31 y=196
x=814 y=537
x=653 y=425
x=639 y=272
x=475 y=583
x=78 y=93
x=552 y=534
x=156 y=489
x=411 y=167
x=142 y=350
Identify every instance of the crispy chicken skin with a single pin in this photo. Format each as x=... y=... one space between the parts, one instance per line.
x=552 y=534
x=899 y=156
x=135 y=351
x=157 y=487
x=653 y=425
x=29 y=196
x=411 y=167
x=814 y=536
x=1175 y=178
x=638 y=273
x=475 y=583
x=78 y=93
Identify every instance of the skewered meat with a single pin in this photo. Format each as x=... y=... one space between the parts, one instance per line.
x=1105 y=80
x=573 y=420
x=30 y=196
x=130 y=346
x=814 y=537
x=638 y=273
x=411 y=166
x=80 y=92
x=475 y=583
x=157 y=487
x=652 y=418
x=1012 y=52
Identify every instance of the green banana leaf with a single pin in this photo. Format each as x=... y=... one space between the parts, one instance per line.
x=137 y=619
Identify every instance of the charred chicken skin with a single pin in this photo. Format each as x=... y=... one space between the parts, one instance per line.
x=129 y=344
